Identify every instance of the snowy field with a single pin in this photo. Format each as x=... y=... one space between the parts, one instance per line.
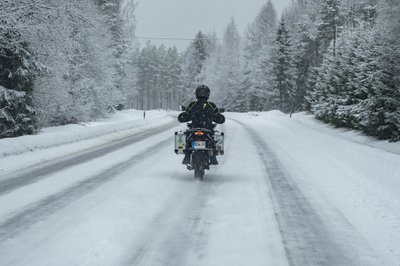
x=288 y=191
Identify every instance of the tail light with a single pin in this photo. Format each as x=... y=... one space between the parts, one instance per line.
x=199 y=133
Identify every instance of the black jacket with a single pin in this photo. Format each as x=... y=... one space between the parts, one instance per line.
x=202 y=113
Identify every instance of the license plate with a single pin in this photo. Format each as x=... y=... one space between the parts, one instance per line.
x=198 y=145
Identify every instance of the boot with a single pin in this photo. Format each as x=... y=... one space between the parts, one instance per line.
x=213 y=160
x=186 y=160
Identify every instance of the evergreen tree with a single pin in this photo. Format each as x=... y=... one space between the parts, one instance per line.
x=18 y=70
x=263 y=28
x=18 y=67
x=173 y=79
x=334 y=93
x=354 y=89
x=159 y=78
x=17 y=117
x=282 y=69
x=229 y=83
x=194 y=60
x=329 y=27
x=212 y=74
x=256 y=78
x=359 y=12
x=388 y=39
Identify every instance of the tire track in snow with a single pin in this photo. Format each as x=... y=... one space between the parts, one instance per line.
x=306 y=239
x=40 y=210
x=161 y=246
x=169 y=238
x=179 y=231
x=37 y=173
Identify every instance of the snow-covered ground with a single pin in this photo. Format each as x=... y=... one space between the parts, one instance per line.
x=288 y=191
x=55 y=142
x=357 y=176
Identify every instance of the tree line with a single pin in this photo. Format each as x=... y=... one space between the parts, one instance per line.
x=339 y=59
x=70 y=62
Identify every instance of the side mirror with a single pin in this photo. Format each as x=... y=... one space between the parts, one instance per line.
x=222 y=110
x=182 y=108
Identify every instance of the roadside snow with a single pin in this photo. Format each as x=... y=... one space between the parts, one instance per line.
x=309 y=121
x=357 y=175
x=55 y=142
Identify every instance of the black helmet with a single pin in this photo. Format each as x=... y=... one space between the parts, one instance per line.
x=203 y=92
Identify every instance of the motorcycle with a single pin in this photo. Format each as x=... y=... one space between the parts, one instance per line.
x=201 y=143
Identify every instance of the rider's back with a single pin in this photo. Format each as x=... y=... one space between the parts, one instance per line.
x=202 y=113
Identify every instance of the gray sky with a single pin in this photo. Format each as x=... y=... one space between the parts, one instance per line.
x=183 y=18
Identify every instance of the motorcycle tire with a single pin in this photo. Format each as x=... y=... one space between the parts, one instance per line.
x=198 y=165
x=199 y=173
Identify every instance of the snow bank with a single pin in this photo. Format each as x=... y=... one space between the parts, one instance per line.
x=54 y=142
x=309 y=121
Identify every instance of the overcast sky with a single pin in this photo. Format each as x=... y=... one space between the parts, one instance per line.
x=184 y=18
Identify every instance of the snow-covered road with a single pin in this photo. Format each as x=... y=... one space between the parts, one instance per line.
x=285 y=193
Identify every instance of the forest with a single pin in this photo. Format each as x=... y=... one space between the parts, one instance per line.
x=65 y=62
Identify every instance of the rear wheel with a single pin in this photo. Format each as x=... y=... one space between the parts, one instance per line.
x=198 y=161
x=199 y=173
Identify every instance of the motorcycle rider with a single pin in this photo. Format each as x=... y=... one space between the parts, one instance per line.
x=202 y=113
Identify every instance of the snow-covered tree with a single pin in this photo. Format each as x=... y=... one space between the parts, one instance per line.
x=18 y=69
x=159 y=78
x=211 y=74
x=88 y=48
x=388 y=38
x=173 y=84
x=75 y=48
x=354 y=90
x=262 y=31
x=257 y=67
x=17 y=116
x=221 y=71
x=358 y=12
x=304 y=21
x=282 y=69
x=193 y=61
x=231 y=64
x=330 y=24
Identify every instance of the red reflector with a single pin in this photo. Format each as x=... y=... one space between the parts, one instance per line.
x=199 y=133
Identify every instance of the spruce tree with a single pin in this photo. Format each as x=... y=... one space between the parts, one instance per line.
x=256 y=79
x=18 y=70
x=282 y=69
x=330 y=26
x=194 y=59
